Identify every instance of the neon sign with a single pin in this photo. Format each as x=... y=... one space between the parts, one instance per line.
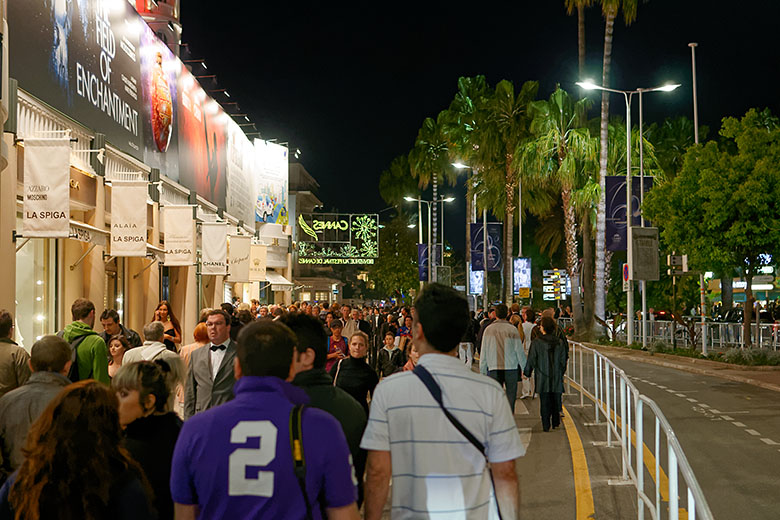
x=335 y=238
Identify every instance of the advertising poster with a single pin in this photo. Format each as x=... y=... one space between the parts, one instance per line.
x=81 y=57
x=616 y=209
x=493 y=246
x=213 y=248
x=46 y=206
x=240 y=179
x=202 y=140
x=521 y=273
x=128 y=224
x=476 y=282
x=272 y=180
x=159 y=88
x=179 y=230
x=238 y=257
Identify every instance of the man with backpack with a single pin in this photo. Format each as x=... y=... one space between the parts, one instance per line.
x=89 y=351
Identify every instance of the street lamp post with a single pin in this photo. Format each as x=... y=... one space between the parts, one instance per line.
x=627 y=95
x=428 y=204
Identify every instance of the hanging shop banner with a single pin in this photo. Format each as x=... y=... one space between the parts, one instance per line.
x=331 y=238
x=179 y=230
x=81 y=58
x=239 y=247
x=522 y=274
x=128 y=218
x=616 y=209
x=213 y=260
x=46 y=188
x=241 y=184
x=272 y=163
x=257 y=264
x=493 y=246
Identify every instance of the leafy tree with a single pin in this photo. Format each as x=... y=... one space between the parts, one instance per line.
x=722 y=208
x=397 y=182
x=395 y=271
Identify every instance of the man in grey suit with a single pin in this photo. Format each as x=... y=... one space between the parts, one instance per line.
x=210 y=379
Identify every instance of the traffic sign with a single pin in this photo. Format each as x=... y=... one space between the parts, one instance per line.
x=524 y=292
x=763 y=278
x=626 y=282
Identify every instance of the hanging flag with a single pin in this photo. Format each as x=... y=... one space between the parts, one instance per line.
x=257 y=263
x=213 y=248
x=128 y=218
x=46 y=209
x=238 y=257
x=494 y=232
x=179 y=230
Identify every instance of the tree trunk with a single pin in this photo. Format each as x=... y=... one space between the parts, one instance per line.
x=727 y=292
x=601 y=220
x=434 y=228
x=572 y=258
x=581 y=39
x=509 y=231
x=586 y=277
x=469 y=202
x=747 y=310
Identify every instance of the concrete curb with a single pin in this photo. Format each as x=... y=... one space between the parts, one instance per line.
x=645 y=357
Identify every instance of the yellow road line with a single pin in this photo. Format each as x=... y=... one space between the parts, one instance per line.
x=582 y=488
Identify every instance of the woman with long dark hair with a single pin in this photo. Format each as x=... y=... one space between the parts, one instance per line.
x=75 y=466
x=117 y=347
x=164 y=314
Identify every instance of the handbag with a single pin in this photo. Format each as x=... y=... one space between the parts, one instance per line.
x=435 y=390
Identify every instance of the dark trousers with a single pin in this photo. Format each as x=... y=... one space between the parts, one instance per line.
x=550 y=406
x=508 y=378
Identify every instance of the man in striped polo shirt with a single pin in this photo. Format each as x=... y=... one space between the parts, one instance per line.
x=436 y=471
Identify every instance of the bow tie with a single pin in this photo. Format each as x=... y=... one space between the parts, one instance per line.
x=214 y=348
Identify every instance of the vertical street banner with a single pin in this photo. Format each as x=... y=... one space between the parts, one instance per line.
x=128 y=218
x=241 y=187
x=272 y=183
x=213 y=260
x=257 y=262
x=616 y=209
x=422 y=260
x=179 y=230
x=46 y=207
x=239 y=247
x=494 y=232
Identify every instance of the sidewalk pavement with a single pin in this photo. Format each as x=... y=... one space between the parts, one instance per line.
x=761 y=376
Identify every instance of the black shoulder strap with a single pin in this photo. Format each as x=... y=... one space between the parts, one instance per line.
x=299 y=461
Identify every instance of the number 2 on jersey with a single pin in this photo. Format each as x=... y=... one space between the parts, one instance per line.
x=238 y=483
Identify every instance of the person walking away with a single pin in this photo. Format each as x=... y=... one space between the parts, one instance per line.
x=109 y=319
x=528 y=324
x=236 y=460
x=81 y=424
x=14 y=360
x=467 y=342
x=391 y=358
x=490 y=318
x=502 y=353
x=337 y=345
x=154 y=349
x=409 y=437
x=210 y=377
x=91 y=352
x=117 y=348
x=201 y=337
x=353 y=374
x=310 y=375
x=151 y=429
x=19 y=408
x=547 y=358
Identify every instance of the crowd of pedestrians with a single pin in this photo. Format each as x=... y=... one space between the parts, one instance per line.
x=304 y=412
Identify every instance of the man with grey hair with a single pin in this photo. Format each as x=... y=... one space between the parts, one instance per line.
x=19 y=408
x=153 y=348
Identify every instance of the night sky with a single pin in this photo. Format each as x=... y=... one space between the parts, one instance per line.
x=351 y=85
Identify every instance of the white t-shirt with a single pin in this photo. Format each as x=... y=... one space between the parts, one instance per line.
x=437 y=473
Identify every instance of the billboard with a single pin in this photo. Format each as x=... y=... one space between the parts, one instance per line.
x=240 y=189
x=271 y=205
x=616 y=208
x=476 y=282
x=336 y=238
x=521 y=274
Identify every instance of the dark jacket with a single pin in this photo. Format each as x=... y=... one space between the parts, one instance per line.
x=547 y=357
x=150 y=441
x=391 y=361
x=356 y=378
x=482 y=326
x=14 y=367
x=318 y=385
x=132 y=336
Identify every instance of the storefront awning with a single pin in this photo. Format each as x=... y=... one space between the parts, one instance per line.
x=278 y=282
x=88 y=234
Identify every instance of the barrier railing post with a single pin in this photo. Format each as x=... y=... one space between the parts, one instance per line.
x=674 y=506
x=596 y=385
x=624 y=440
x=691 y=505
x=610 y=420
x=640 y=470
x=657 y=468
x=582 y=381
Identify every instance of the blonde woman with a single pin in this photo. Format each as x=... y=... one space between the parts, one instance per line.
x=353 y=374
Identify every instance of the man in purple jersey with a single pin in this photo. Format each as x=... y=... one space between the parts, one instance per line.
x=235 y=461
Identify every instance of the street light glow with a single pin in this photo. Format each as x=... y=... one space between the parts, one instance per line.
x=460 y=165
x=668 y=87
x=588 y=85
x=409 y=199
x=411 y=226
x=449 y=199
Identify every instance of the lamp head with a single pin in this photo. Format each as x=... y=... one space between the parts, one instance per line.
x=669 y=87
x=449 y=199
x=460 y=165
x=409 y=199
x=588 y=85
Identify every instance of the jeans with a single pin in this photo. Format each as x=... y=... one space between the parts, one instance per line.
x=507 y=378
x=550 y=406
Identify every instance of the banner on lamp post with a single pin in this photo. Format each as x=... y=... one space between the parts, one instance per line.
x=46 y=206
x=494 y=232
x=213 y=260
x=238 y=257
x=179 y=229
x=128 y=218
x=257 y=263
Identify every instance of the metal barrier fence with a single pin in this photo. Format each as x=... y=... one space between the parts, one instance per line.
x=622 y=409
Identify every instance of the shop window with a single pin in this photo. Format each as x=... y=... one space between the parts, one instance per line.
x=305 y=297
x=36 y=284
x=165 y=283
x=114 y=291
x=322 y=296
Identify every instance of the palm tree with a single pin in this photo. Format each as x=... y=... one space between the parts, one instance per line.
x=502 y=124
x=397 y=182
x=610 y=10
x=580 y=6
x=559 y=153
